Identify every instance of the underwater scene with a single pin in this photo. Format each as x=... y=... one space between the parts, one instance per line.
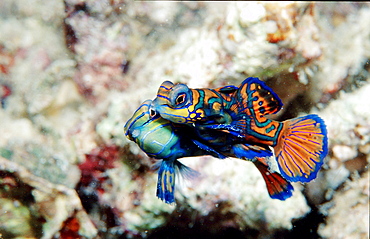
x=184 y=119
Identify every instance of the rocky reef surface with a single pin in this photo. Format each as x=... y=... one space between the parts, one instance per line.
x=72 y=73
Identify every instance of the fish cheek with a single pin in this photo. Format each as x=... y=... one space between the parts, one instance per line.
x=160 y=141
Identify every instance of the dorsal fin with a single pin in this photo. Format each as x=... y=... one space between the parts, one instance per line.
x=258 y=97
x=229 y=89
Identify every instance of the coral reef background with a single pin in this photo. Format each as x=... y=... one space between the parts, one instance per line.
x=72 y=72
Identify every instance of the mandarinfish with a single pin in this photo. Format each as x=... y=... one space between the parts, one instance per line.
x=163 y=139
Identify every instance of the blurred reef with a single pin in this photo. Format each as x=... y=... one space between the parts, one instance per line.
x=72 y=72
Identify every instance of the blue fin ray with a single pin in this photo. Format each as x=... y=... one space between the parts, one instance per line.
x=166 y=182
x=208 y=149
x=250 y=152
x=185 y=171
x=167 y=174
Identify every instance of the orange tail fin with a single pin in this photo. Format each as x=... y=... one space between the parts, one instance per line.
x=301 y=148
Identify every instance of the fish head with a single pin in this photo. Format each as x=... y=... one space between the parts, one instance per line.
x=152 y=133
x=175 y=102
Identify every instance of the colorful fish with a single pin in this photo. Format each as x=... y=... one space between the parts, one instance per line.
x=300 y=144
x=162 y=139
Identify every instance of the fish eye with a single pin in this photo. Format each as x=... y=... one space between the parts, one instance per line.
x=152 y=113
x=180 y=99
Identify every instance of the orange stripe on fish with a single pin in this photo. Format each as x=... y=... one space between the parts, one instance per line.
x=180 y=104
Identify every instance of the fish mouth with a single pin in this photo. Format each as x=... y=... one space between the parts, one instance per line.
x=137 y=118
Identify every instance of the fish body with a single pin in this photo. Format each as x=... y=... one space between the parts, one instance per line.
x=183 y=105
x=155 y=135
x=197 y=107
x=300 y=144
x=158 y=139
x=162 y=139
